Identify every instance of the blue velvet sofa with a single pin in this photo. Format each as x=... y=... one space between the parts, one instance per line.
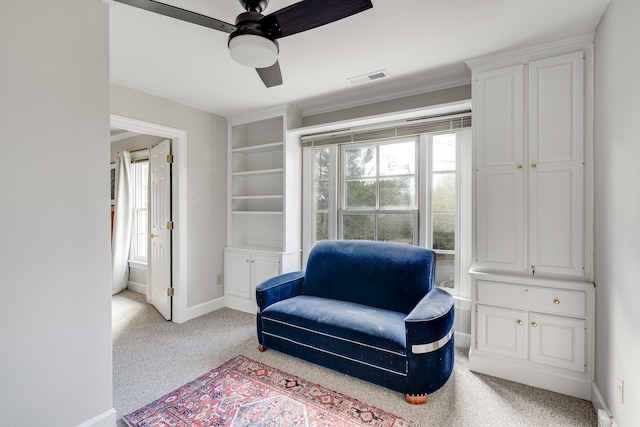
x=367 y=309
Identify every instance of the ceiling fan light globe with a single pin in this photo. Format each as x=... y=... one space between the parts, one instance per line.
x=253 y=51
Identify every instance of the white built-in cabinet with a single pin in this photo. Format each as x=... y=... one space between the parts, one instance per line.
x=529 y=121
x=532 y=300
x=264 y=206
x=534 y=331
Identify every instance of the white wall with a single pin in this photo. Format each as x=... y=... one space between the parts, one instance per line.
x=617 y=208
x=206 y=181
x=55 y=312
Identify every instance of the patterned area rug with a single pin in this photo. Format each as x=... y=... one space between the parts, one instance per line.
x=243 y=392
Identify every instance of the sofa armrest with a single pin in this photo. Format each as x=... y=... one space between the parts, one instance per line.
x=279 y=288
x=430 y=346
x=430 y=321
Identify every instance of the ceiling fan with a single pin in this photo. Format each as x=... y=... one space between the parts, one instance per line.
x=253 y=38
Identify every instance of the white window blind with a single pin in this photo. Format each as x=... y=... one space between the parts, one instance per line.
x=409 y=127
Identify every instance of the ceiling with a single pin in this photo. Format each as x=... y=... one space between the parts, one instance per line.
x=422 y=44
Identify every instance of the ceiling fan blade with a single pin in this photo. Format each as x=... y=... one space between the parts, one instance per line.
x=271 y=76
x=182 y=14
x=308 y=14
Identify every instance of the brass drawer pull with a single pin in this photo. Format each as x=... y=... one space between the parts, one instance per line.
x=556 y=301
x=520 y=322
x=534 y=324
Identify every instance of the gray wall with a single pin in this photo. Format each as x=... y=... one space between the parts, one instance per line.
x=617 y=208
x=443 y=96
x=54 y=180
x=206 y=181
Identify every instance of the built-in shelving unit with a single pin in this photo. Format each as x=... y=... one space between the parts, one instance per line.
x=264 y=236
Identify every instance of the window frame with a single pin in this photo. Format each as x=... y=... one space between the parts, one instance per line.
x=464 y=203
x=376 y=211
x=134 y=254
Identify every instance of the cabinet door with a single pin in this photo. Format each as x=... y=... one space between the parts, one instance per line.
x=501 y=331
x=558 y=341
x=237 y=274
x=263 y=267
x=556 y=169
x=498 y=122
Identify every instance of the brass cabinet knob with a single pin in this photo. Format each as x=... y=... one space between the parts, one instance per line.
x=533 y=166
x=534 y=324
x=520 y=322
x=556 y=301
x=519 y=166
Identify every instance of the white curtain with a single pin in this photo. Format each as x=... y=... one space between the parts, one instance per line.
x=122 y=220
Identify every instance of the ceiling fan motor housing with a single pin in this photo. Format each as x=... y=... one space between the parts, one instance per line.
x=250 y=44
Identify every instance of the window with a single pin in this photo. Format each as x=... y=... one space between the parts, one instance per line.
x=399 y=189
x=378 y=183
x=140 y=227
x=443 y=207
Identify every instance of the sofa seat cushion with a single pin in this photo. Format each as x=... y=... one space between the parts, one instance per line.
x=366 y=334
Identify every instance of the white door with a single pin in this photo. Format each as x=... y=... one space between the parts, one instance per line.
x=556 y=165
x=237 y=270
x=263 y=267
x=558 y=341
x=159 y=268
x=501 y=331
x=499 y=127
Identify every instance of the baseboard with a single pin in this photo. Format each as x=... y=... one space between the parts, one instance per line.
x=529 y=374
x=106 y=419
x=598 y=402
x=137 y=287
x=204 y=308
x=462 y=340
x=241 y=304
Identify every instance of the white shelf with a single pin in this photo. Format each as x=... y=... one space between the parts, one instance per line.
x=256 y=212
x=261 y=148
x=266 y=196
x=258 y=172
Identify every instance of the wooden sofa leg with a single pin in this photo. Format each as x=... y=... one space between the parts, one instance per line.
x=261 y=348
x=420 y=399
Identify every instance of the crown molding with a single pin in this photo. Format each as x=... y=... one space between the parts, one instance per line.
x=518 y=56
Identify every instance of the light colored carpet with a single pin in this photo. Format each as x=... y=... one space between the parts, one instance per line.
x=152 y=357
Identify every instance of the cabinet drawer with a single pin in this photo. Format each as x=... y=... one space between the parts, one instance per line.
x=547 y=300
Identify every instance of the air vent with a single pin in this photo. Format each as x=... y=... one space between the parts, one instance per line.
x=369 y=77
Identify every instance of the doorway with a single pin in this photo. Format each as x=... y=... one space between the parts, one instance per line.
x=179 y=208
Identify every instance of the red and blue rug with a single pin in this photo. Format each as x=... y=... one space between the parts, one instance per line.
x=243 y=392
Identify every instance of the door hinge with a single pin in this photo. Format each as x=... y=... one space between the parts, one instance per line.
x=169 y=225
x=169 y=292
x=169 y=158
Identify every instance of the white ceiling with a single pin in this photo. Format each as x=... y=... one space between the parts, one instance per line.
x=421 y=43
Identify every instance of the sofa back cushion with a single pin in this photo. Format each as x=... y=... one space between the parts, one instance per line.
x=392 y=276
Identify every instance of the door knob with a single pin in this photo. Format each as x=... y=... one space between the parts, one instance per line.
x=152 y=235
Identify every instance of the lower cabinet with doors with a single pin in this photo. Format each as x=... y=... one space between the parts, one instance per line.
x=244 y=269
x=534 y=331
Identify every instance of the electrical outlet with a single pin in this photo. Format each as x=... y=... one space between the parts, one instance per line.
x=219 y=279
x=620 y=389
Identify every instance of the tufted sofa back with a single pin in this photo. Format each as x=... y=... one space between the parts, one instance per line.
x=392 y=276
